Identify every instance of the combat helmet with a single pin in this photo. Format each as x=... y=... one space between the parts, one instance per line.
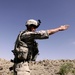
x=33 y=22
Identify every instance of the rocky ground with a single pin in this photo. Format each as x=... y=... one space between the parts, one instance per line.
x=44 y=67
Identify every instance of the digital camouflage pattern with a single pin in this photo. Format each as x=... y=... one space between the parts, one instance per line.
x=26 y=49
x=21 y=68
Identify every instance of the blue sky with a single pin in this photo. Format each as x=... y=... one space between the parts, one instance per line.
x=52 y=13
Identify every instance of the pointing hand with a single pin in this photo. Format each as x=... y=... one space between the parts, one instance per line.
x=63 y=27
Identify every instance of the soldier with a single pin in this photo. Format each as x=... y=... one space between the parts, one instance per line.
x=26 y=48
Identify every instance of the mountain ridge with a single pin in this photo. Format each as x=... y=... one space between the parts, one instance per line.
x=41 y=67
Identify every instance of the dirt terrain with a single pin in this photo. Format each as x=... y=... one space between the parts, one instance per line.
x=43 y=67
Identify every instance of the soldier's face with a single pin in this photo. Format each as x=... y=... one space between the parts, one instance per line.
x=33 y=29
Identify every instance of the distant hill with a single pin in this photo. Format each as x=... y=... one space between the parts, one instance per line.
x=44 y=67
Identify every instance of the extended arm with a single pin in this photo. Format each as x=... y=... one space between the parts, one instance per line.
x=61 y=28
x=43 y=34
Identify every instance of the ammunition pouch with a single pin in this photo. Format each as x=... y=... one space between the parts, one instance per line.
x=21 y=53
x=25 y=50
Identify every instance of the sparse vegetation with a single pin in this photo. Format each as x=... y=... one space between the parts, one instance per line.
x=43 y=67
x=67 y=68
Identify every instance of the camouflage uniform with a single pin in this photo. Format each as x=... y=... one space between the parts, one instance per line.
x=26 y=46
x=21 y=68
